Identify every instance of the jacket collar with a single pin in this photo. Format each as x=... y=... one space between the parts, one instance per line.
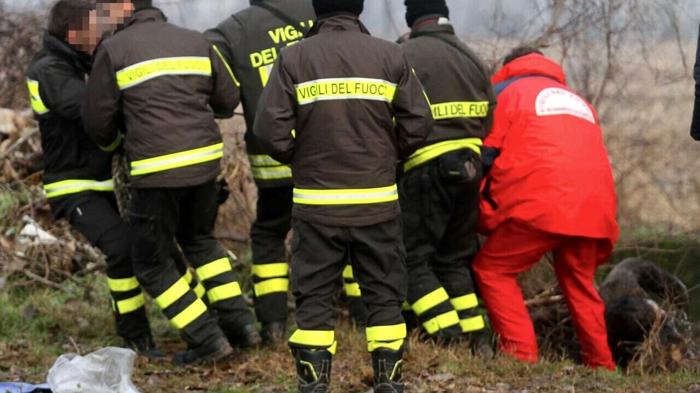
x=533 y=64
x=146 y=15
x=61 y=48
x=341 y=21
x=432 y=24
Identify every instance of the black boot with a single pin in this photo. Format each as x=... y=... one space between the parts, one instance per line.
x=274 y=332
x=144 y=346
x=217 y=350
x=243 y=337
x=387 y=370
x=481 y=343
x=447 y=336
x=313 y=369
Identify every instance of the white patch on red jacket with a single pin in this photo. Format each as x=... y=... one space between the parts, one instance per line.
x=555 y=101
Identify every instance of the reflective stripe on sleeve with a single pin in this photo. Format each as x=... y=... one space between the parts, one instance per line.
x=228 y=67
x=270 y=270
x=345 y=89
x=275 y=285
x=430 y=300
x=460 y=110
x=213 y=269
x=428 y=153
x=223 y=292
x=122 y=284
x=264 y=167
x=177 y=160
x=67 y=187
x=346 y=197
x=142 y=72
x=38 y=105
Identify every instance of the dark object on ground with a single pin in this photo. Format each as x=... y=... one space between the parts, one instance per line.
x=217 y=350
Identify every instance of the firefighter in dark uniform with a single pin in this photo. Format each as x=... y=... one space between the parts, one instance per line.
x=251 y=40
x=440 y=185
x=77 y=174
x=342 y=108
x=163 y=85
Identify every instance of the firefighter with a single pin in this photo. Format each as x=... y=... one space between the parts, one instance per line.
x=695 y=127
x=162 y=86
x=439 y=188
x=342 y=108
x=549 y=189
x=77 y=174
x=268 y=26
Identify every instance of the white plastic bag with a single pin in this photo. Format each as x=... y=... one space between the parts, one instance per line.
x=107 y=370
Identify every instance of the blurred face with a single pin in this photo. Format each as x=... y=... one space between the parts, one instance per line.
x=112 y=14
x=86 y=36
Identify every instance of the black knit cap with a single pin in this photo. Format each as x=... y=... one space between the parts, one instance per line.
x=324 y=7
x=415 y=9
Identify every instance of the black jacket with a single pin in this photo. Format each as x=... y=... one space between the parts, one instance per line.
x=162 y=85
x=56 y=82
x=251 y=40
x=357 y=109
x=695 y=128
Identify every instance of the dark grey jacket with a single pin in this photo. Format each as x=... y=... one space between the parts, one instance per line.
x=162 y=86
x=695 y=128
x=251 y=40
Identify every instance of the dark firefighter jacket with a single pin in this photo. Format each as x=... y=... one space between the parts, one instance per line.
x=162 y=85
x=251 y=41
x=356 y=108
x=73 y=163
x=695 y=128
x=458 y=86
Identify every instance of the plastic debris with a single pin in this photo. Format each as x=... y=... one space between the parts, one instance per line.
x=107 y=370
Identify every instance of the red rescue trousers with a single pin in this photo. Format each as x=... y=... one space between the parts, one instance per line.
x=514 y=248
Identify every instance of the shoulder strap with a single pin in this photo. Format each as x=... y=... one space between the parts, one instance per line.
x=281 y=15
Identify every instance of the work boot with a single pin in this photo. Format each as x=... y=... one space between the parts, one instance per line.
x=244 y=337
x=313 y=369
x=481 y=343
x=274 y=332
x=387 y=365
x=447 y=336
x=144 y=346
x=217 y=350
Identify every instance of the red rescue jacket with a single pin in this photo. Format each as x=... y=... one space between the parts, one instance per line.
x=553 y=172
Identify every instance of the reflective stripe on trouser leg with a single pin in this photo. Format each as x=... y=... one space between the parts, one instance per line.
x=270 y=278
x=391 y=337
x=127 y=296
x=320 y=339
x=467 y=307
x=218 y=280
x=350 y=285
x=180 y=304
x=195 y=285
x=431 y=310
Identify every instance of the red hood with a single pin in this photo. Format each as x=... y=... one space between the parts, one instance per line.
x=533 y=64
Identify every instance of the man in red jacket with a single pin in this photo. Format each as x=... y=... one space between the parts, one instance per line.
x=549 y=189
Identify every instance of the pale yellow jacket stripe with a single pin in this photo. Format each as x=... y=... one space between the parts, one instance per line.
x=262 y=173
x=428 y=153
x=386 y=333
x=38 y=105
x=346 y=196
x=345 y=89
x=460 y=110
x=67 y=187
x=270 y=270
x=177 y=160
x=142 y=72
x=122 y=284
x=213 y=269
x=430 y=300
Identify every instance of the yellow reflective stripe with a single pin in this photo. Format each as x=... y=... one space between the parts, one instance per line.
x=347 y=272
x=465 y=302
x=430 y=300
x=406 y=306
x=130 y=305
x=188 y=277
x=346 y=197
x=345 y=89
x=274 y=285
x=142 y=72
x=460 y=110
x=393 y=345
x=172 y=294
x=213 y=269
x=353 y=289
x=386 y=333
x=122 y=284
x=223 y=292
x=200 y=291
x=228 y=67
x=442 y=321
x=270 y=270
x=313 y=338
x=38 y=105
x=263 y=160
x=192 y=312
x=428 y=153
x=177 y=160
x=472 y=324
x=114 y=145
x=281 y=172
x=66 y=187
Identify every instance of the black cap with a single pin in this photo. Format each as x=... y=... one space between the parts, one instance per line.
x=415 y=9
x=323 y=7
x=142 y=4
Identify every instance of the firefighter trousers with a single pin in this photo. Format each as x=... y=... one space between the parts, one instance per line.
x=319 y=255
x=440 y=212
x=270 y=269
x=158 y=215
x=515 y=247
